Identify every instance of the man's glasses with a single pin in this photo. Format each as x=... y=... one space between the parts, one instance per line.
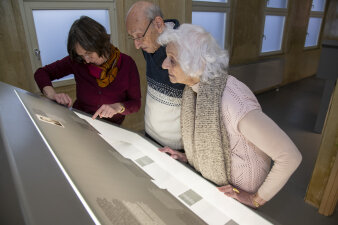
x=144 y=34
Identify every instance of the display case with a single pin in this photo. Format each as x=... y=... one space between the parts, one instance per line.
x=59 y=166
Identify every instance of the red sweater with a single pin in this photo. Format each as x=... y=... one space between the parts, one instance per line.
x=89 y=96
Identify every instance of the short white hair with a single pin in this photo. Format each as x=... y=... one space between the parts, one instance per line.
x=150 y=11
x=198 y=52
x=153 y=11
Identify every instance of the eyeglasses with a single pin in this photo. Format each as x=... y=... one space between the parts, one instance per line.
x=144 y=34
x=87 y=55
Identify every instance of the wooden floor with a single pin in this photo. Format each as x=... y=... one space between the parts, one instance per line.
x=294 y=108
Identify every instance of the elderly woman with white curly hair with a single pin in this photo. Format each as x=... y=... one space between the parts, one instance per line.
x=226 y=136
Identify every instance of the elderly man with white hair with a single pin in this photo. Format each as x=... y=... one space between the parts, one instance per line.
x=226 y=136
x=144 y=23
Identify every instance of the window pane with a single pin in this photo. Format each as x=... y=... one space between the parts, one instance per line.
x=273 y=33
x=318 y=5
x=277 y=3
x=313 y=31
x=210 y=0
x=213 y=22
x=53 y=42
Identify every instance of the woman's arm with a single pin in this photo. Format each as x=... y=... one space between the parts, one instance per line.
x=44 y=75
x=133 y=102
x=261 y=131
x=60 y=98
x=56 y=70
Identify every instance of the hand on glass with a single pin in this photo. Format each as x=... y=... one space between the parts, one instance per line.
x=63 y=99
x=60 y=98
x=241 y=196
x=174 y=154
x=107 y=111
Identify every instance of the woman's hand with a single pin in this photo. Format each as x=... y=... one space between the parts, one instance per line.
x=174 y=154
x=61 y=98
x=252 y=200
x=108 y=111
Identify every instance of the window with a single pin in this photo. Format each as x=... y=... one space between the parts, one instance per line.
x=315 y=23
x=277 y=4
x=213 y=16
x=61 y=21
x=275 y=16
x=47 y=24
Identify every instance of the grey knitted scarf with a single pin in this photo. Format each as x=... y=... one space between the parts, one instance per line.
x=204 y=136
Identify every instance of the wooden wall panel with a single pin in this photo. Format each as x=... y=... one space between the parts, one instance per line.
x=247 y=20
x=322 y=190
x=320 y=186
x=331 y=23
x=15 y=67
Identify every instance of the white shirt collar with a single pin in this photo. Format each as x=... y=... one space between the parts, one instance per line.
x=195 y=87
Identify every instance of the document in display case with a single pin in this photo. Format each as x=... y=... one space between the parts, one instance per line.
x=114 y=176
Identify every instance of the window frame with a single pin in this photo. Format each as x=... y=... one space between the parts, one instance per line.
x=315 y=14
x=268 y=11
x=27 y=7
x=224 y=7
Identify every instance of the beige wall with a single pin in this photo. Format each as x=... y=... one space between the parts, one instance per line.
x=246 y=23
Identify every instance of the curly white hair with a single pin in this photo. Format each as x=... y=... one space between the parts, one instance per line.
x=199 y=55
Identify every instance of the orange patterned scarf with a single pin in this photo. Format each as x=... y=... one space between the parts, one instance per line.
x=109 y=68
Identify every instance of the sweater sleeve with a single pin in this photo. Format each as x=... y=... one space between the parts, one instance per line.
x=56 y=70
x=260 y=130
x=133 y=102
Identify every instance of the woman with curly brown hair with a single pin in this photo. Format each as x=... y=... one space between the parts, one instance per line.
x=107 y=81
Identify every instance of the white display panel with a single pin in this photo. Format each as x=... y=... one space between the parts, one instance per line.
x=107 y=166
x=167 y=173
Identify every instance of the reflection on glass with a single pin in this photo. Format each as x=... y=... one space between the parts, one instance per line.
x=277 y=4
x=313 y=31
x=52 y=27
x=318 y=5
x=273 y=33
x=213 y=22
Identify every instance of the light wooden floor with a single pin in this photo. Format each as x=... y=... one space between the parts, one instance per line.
x=294 y=108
